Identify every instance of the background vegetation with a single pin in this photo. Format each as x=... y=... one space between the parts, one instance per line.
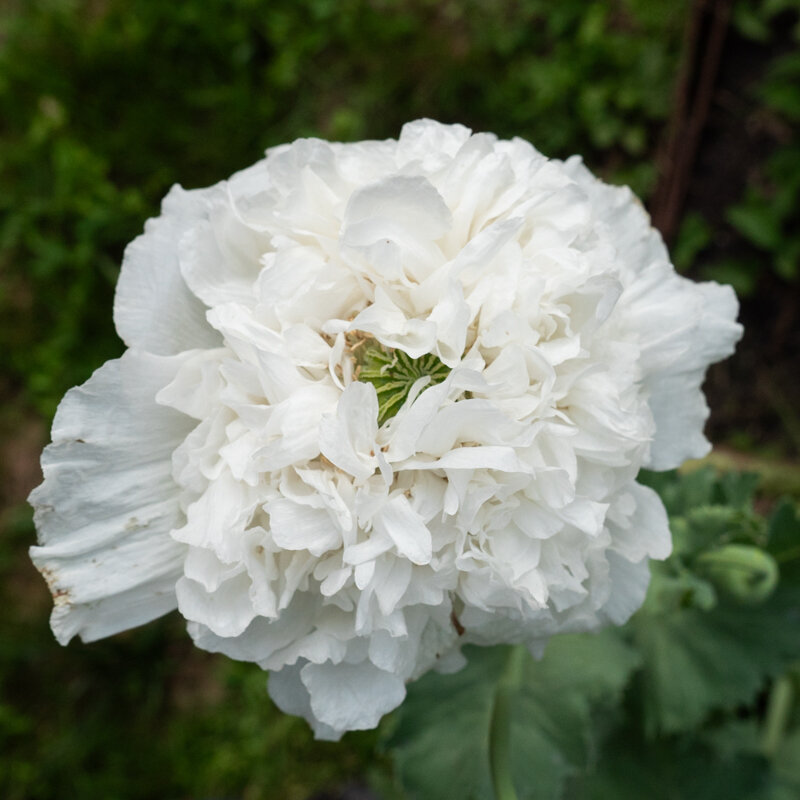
x=105 y=103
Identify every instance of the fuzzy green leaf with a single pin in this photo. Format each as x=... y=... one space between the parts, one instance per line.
x=680 y=493
x=697 y=661
x=631 y=768
x=755 y=221
x=784 y=537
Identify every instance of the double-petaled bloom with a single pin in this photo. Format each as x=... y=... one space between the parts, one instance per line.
x=380 y=400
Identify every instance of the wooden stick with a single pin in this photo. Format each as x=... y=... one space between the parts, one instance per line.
x=707 y=28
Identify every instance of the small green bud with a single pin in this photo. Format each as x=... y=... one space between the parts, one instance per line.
x=742 y=571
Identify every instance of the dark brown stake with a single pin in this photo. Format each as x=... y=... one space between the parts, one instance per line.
x=707 y=27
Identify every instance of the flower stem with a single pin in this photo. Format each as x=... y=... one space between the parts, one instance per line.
x=500 y=725
x=779 y=708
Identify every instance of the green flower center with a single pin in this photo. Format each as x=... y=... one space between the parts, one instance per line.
x=393 y=372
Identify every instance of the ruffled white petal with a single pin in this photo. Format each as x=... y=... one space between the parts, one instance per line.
x=676 y=399
x=226 y=611
x=108 y=501
x=154 y=309
x=398 y=520
x=628 y=582
x=290 y=694
x=348 y=439
x=639 y=524
x=300 y=527
x=681 y=326
x=351 y=697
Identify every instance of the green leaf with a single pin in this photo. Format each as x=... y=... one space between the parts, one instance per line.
x=750 y=23
x=697 y=661
x=784 y=98
x=787 y=765
x=779 y=89
x=707 y=657
x=706 y=526
x=737 y=489
x=734 y=737
x=631 y=768
x=783 y=543
x=757 y=222
x=553 y=721
x=741 y=273
x=787 y=261
x=441 y=741
x=694 y=236
x=673 y=587
x=745 y=738
x=680 y=493
x=708 y=510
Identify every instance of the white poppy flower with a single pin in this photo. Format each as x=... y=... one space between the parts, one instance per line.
x=380 y=400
